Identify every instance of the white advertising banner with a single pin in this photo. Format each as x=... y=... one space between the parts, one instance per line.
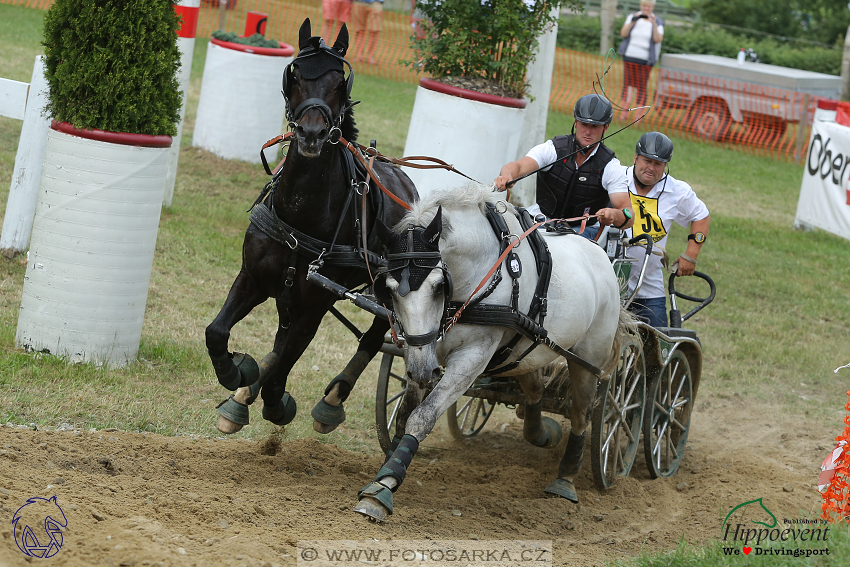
x=825 y=192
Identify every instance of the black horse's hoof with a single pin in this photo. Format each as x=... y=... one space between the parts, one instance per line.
x=283 y=413
x=237 y=372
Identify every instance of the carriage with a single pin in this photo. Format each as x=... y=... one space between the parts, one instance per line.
x=650 y=393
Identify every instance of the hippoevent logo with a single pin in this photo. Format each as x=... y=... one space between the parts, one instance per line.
x=38 y=527
x=751 y=528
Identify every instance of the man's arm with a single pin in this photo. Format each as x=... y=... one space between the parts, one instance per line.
x=615 y=214
x=614 y=181
x=686 y=267
x=514 y=169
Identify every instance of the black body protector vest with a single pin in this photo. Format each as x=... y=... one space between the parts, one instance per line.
x=563 y=192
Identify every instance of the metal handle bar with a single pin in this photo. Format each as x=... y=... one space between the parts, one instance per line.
x=343 y=293
x=676 y=319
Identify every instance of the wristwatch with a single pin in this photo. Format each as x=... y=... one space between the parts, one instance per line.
x=699 y=237
x=628 y=215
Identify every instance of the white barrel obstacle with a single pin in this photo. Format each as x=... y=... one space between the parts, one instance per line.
x=476 y=133
x=92 y=247
x=240 y=106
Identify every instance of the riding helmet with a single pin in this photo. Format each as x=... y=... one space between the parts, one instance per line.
x=593 y=109
x=655 y=145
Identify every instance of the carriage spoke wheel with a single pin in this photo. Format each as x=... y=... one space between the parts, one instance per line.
x=388 y=397
x=467 y=416
x=665 y=427
x=617 y=417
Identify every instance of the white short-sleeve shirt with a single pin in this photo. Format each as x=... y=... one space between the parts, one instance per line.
x=676 y=202
x=613 y=176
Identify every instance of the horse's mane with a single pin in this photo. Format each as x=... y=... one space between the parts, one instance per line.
x=472 y=194
x=349 y=129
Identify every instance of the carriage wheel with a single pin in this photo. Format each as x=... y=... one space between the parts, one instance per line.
x=467 y=416
x=617 y=417
x=665 y=429
x=388 y=398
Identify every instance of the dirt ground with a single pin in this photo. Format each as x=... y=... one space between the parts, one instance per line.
x=136 y=499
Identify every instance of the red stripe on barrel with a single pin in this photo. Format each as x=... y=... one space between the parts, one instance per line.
x=189 y=25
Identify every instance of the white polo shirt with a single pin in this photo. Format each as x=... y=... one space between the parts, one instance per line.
x=613 y=176
x=675 y=201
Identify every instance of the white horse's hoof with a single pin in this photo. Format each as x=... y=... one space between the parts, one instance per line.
x=226 y=426
x=322 y=428
x=372 y=509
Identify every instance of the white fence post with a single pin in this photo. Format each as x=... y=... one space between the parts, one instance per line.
x=23 y=192
x=188 y=9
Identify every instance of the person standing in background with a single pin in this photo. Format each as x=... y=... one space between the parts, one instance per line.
x=334 y=11
x=642 y=33
x=368 y=16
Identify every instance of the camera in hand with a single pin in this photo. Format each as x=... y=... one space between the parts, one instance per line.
x=641 y=16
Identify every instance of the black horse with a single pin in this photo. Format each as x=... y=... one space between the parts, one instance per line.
x=313 y=209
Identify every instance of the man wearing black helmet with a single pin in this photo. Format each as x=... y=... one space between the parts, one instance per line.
x=580 y=174
x=658 y=200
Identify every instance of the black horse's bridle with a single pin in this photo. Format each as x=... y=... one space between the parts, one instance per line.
x=334 y=124
x=422 y=261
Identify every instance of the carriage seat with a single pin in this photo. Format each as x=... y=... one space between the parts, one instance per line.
x=674 y=332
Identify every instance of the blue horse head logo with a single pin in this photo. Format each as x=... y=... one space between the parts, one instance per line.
x=38 y=527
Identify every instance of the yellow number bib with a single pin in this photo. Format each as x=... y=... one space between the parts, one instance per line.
x=647 y=220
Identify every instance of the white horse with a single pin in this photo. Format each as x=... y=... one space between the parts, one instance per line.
x=458 y=243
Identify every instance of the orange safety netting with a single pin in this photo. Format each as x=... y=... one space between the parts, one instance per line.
x=753 y=118
x=836 y=497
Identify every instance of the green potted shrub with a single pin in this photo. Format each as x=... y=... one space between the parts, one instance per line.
x=468 y=110
x=111 y=68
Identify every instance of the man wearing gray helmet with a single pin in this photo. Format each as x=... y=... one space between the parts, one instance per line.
x=580 y=174
x=658 y=200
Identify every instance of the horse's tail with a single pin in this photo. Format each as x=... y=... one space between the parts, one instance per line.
x=626 y=330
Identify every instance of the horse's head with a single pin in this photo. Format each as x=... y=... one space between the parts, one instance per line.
x=317 y=91
x=419 y=286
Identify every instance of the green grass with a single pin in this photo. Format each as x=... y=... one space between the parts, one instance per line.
x=774 y=333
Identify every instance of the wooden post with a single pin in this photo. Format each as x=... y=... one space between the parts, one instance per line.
x=801 y=130
x=222 y=14
x=607 y=15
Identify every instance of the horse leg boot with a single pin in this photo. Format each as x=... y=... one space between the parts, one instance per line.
x=233 y=411
x=328 y=413
x=568 y=469
x=540 y=431
x=376 y=498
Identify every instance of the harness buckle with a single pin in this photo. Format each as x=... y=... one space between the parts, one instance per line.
x=290 y=276
x=334 y=135
x=317 y=264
